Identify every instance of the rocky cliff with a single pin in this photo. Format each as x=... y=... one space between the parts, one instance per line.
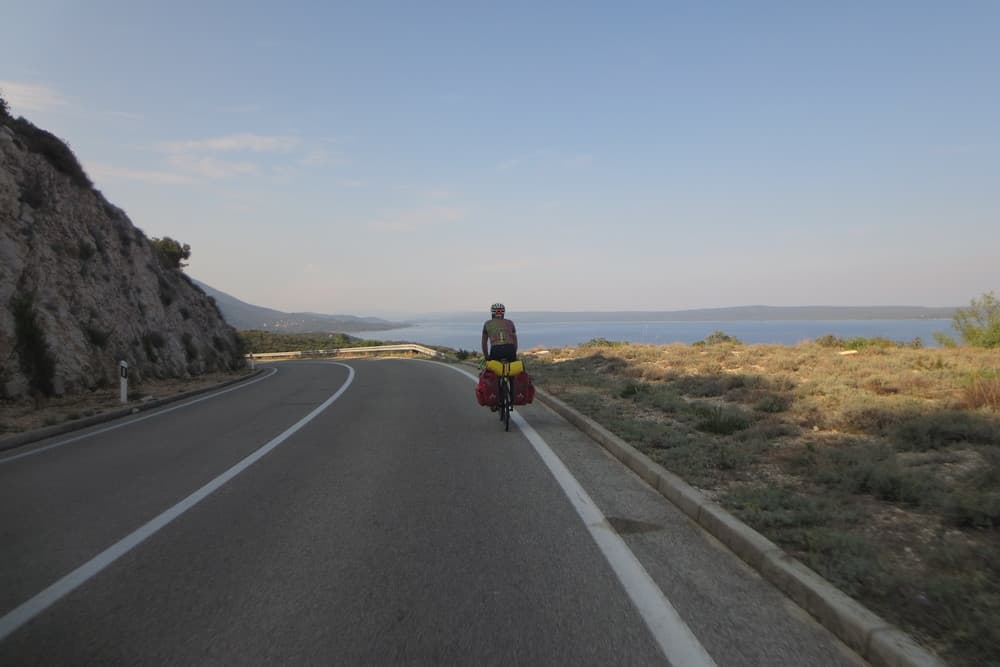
x=82 y=288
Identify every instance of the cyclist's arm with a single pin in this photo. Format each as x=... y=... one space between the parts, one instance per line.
x=486 y=339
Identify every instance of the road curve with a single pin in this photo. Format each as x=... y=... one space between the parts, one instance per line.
x=356 y=513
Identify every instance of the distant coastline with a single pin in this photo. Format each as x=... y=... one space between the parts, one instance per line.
x=732 y=314
x=459 y=333
x=247 y=316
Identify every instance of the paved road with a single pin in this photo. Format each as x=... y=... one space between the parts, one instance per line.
x=365 y=512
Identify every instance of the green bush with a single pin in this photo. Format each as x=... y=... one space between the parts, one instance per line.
x=772 y=403
x=718 y=337
x=720 y=420
x=978 y=325
x=632 y=389
x=860 y=342
x=254 y=340
x=766 y=506
x=849 y=561
x=939 y=430
x=171 y=253
x=974 y=509
x=603 y=342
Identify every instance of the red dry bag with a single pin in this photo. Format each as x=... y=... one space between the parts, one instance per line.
x=488 y=389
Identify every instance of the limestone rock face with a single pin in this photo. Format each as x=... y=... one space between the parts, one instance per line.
x=81 y=288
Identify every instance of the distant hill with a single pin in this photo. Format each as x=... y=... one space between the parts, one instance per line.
x=243 y=316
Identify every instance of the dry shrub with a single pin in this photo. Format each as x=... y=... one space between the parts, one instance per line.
x=880 y=386
x=983 y=391
x=654 y=374
x=915 y=384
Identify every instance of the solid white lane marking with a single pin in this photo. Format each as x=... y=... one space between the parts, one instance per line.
x=42 y=601
x=136 y=420
x=673 y=635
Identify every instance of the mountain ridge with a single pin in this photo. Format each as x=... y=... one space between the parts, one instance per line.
x=244 y=316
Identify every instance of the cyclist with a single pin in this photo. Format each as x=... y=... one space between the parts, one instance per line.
x=500 y=335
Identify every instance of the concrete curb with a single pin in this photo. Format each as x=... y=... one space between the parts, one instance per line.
x=27 y=437
x=871 y=637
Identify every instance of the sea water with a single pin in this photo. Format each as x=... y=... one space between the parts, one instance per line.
x=466 y=334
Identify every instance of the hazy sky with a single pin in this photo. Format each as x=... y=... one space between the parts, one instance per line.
x=371 y=157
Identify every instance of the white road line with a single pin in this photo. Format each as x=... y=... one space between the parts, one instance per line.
x=136 y=420
x=673 y=635
x=42 y=601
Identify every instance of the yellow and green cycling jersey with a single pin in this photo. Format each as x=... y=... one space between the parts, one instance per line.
x=500 y=331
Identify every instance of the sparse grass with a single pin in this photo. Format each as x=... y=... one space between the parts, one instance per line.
x=23 y=415
x=983 y=390
x=879 y=469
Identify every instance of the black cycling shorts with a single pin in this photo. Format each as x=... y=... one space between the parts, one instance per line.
x=505 y=352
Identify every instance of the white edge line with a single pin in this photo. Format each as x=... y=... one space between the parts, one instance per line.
x=31 y=608
x=673 y=635
x=136 y=420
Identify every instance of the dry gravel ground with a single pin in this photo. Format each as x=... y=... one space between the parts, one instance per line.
x=27 y=415
x=878 y=467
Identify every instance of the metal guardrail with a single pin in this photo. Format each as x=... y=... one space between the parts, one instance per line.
x=406 y=347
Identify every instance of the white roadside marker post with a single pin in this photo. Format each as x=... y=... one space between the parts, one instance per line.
x=251 y=361
x=123 y=371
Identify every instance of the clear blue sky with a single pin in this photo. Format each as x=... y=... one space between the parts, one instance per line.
x=374 y=157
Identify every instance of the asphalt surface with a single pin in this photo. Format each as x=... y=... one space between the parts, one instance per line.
x=400 y=524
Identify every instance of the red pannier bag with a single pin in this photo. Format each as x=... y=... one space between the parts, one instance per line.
x=524 y=390
x=488 y=389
